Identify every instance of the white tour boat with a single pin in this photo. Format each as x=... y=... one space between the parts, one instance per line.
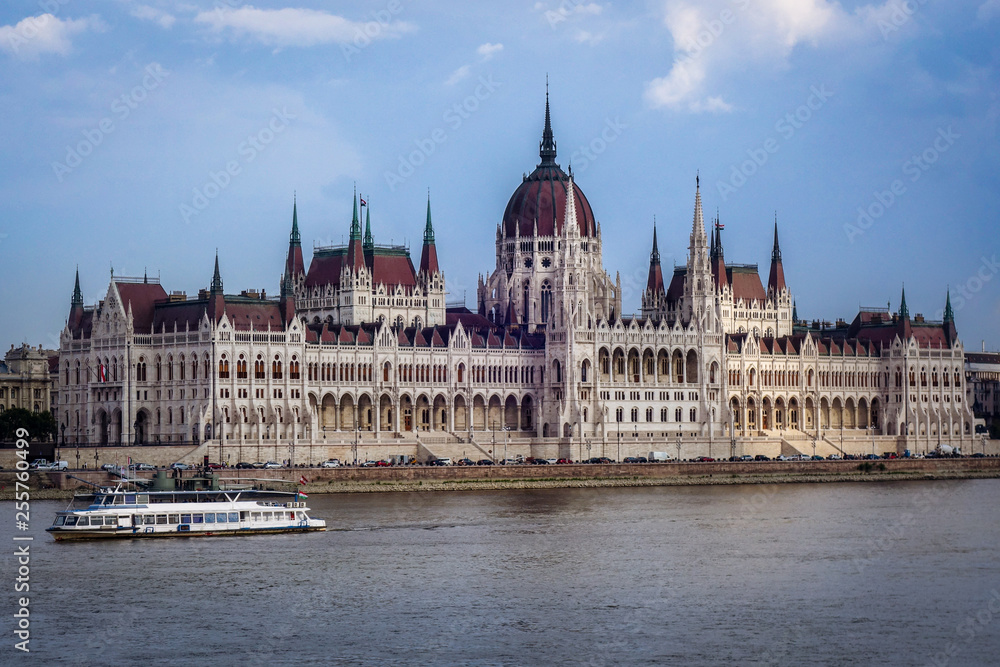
x=127 y=513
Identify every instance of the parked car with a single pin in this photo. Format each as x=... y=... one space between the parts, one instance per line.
x=55 y=465
x=816 y=457
x=746 y=457
x=705 y=459
x=271 y=465
x=833 y=457
x=143 y=466
x=215 y=466
x=439 y=462
x=466 y=462
x=564 y=461
x=330 y=463
x=630 y=459
x=382 y=463
x=539 y=462
x=642 y=459
x=176 y=466
x=761 y=457
x=257 y=464
x=369 y=464
x=244 y=465
x=484 y=462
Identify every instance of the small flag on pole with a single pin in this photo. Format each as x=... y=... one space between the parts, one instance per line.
x=363 y=202
x=303 y=480
x=302 y=494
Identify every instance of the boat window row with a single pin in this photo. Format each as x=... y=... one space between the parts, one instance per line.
x=201 y=517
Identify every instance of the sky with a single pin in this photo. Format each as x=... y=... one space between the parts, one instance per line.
x=146 y=136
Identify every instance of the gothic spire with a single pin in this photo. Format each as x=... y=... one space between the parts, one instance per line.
x=294 y=238
x=776 y=279
x=355 y=223
x=654 y=257
x=949 y=314
x=369 y=242
x=776 y=251
x=547 y=148
x=428 y=228
x=77 y=294
x=428 y=253
x=216 y=277
x=904 y=312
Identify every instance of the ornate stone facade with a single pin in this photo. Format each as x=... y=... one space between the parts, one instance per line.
x=361 y=347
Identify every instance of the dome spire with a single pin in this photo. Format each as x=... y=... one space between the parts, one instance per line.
x=216 y=277
x=369 y=241
x=547 y=149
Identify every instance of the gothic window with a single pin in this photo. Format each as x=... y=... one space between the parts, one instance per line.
x=677 y=415
x=258 y=368
x=546 y=262
x=223 y=368
x=694 y=414
x=241 y=368
x=293 y=369
x=546 y=300
x=663 y=414
x=181 y=367
x=635 y=414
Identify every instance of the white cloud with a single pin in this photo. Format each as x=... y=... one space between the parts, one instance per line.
x=147 y=13
x=298 y=27
x=458 y=75
x=45 y=33
x=587 y=37
x=488 y=50
x=714 y=37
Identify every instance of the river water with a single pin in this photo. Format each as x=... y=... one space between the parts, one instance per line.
x=902 y=573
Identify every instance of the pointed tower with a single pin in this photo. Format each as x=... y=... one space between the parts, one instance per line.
x=949 y=320
x=76 y=304
x=699 y=293
x=355 y=251
x=655 y=297
x=905 y=327
x=216 y=300
x=286 y=302
x=547 y=147
x=428 y=253
x=369 y=243
x=719 y=275
x=776 y=279
x=294 y=266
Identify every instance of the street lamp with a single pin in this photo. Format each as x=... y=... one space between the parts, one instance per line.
x=679 y=442
x=619 y=422
x=873 y=440
x=505 y=430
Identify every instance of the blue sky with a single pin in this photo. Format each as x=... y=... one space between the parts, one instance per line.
x=144 y=136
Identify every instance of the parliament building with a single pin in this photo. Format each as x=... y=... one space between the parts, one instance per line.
x=359 y=351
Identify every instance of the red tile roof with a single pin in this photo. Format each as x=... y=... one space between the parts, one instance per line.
x=142 y=298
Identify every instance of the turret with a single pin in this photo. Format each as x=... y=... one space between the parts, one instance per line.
x=216 y=300
x=718 y=257
x=355 y=251
x=949 y=320
x=428 y=253
x=547 y=146
x=76 y=304
x=294 y=266
x=776 y=279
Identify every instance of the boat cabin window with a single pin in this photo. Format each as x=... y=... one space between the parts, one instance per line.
x=175 y=518
x=244 y=516
x=210 y=517
x=234 y=517
x=149 y=519
x=71 y=520
x=143 y=498
x=130 y=499
x=161 y=519
x=197 y=518
x=185 y=518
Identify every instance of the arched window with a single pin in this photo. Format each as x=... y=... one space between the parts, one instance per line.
x=546 y=301
x=276 y=368
x=694 y=414
x=223 y=368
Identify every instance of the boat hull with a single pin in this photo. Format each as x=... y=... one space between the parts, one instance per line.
x=129 y=533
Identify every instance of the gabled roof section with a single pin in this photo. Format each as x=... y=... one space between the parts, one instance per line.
x=142 y=298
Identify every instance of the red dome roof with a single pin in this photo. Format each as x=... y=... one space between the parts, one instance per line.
x=541 y=197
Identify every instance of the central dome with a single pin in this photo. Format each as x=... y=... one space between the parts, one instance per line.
x=541 y=197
